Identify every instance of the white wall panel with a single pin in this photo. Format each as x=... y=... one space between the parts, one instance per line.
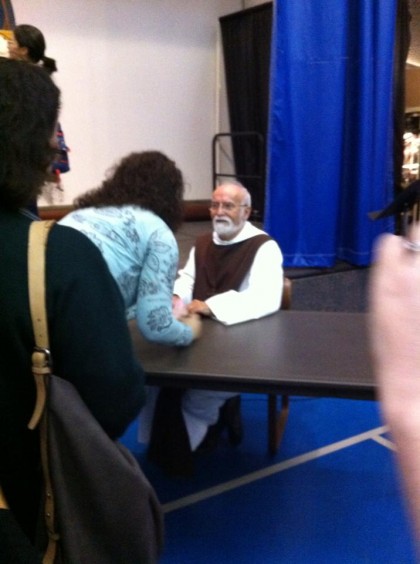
x=134 y=75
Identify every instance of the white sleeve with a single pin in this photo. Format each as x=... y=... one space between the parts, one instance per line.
x=184 y=284
x=260 y=292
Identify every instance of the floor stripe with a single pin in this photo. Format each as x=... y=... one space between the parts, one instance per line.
x=274 y=469
x=385 y=442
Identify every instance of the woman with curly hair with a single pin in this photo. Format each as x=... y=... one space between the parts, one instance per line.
x=131 y=218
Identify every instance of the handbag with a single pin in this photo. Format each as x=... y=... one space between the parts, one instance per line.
x=99 y=507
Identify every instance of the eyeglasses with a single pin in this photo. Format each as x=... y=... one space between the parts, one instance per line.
x=226 y=206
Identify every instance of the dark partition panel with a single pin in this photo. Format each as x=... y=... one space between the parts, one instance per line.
x=246 y=38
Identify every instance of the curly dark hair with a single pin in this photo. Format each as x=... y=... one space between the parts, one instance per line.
x=29 y=103
x=149 y=180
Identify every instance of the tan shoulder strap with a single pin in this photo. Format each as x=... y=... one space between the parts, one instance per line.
x=38 y=235
x=41 y=366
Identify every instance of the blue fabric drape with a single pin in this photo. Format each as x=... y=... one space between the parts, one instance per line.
x=330 y=129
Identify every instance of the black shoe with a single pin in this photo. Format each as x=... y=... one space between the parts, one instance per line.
x=231 y=417
x=211 y=439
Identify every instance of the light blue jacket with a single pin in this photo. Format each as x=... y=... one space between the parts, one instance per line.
x=142 y=255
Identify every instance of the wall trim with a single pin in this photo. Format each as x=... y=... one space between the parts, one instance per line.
x=195 y=210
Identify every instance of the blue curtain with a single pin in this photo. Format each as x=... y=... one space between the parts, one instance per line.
x=330 y=128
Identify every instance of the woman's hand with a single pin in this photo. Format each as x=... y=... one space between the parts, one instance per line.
x=395 y=334
x=194 y=322
x=395 y=321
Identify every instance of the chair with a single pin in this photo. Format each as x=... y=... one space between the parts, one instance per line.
x=277 y=419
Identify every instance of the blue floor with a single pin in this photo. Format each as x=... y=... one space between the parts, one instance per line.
x=330 y=495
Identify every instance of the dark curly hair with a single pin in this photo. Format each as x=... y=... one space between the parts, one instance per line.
x=32 y=38
x=149 y=180
x=29 y=103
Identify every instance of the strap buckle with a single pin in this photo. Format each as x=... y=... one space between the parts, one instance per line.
x=47 y=355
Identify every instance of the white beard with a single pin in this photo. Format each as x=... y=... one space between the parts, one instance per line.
x=225 y=228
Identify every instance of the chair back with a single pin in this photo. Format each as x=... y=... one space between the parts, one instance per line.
x=286 y=299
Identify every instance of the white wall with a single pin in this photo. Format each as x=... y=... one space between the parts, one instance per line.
x=134 y=75
x=251 y=3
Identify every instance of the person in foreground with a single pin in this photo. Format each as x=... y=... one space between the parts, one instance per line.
x=90 y=343
x=233 y=275
x=131 y=219
x=395 y=336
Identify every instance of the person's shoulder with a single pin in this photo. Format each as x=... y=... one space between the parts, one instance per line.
x=269 y=243
x=255 y=230
x=202 y=242
x=144 y=220
x=67 y=240
x=153 y=228
x=64 y=234
x=252 y=229
x=72 y=256
x=114 y=214
x=204 y=237
x=146 y=216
